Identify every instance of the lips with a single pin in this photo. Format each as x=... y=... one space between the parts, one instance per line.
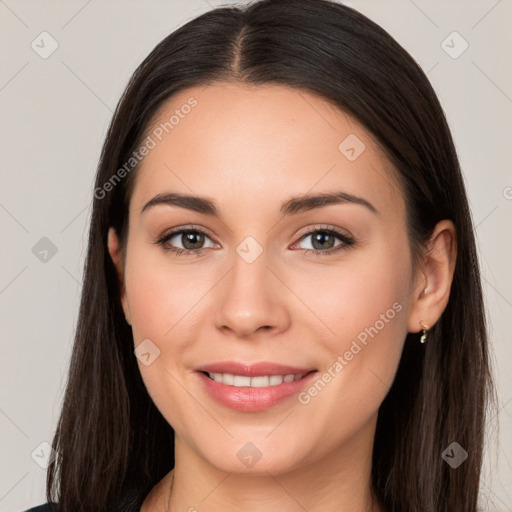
x=252 y=387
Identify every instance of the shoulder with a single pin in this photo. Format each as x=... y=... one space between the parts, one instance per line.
x=47 y=507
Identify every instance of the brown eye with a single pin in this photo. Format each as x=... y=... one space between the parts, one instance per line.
x=323 y=241
x=192 y=241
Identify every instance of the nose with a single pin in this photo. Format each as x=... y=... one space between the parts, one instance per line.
x=251 y=299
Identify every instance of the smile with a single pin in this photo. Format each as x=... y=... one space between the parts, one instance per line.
x=252 y=387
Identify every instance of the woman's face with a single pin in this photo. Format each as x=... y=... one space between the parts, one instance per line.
x=260 y=289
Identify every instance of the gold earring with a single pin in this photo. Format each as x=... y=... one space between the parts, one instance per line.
x=425 y=328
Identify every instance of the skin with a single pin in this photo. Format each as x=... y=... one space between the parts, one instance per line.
x=249 y=149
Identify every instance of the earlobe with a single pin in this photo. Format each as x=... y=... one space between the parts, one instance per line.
x=432 y=292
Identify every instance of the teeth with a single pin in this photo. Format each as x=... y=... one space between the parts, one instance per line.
x=275 y=379
x=260 y=382
x=253 y=382
x=240 y=381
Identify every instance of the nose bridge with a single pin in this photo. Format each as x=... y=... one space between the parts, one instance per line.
x=249 y=298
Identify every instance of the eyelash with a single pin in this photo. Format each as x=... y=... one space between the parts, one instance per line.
x=347 y=241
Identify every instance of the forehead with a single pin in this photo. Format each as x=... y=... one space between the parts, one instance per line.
x=260 y=143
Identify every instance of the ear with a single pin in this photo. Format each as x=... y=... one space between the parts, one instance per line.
x=115 y=252
x=434 y=279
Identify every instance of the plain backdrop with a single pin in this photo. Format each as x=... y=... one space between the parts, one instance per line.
x=54 y=114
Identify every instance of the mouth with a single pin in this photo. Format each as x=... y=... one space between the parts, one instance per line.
x=252 y=387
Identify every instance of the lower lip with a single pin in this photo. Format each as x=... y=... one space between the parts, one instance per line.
x=248 y=399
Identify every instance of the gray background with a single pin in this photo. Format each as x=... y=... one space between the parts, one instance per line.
x=55 y=113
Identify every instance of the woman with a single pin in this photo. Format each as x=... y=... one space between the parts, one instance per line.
x=282 y=302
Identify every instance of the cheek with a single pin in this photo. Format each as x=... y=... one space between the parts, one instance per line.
x=365 y=307
x=162 y=296
x=362 y=300
x=161 y=301
x=165 y=303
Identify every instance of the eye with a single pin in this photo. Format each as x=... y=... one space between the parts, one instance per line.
x=191 y=240
x=323 y=241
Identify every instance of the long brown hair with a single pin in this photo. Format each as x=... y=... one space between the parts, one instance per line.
x=110 y=437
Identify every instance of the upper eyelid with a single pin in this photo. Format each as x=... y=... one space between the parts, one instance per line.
x=180 y=229
x=324 y=227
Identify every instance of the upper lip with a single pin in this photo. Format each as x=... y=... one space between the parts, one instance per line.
x=252 y=369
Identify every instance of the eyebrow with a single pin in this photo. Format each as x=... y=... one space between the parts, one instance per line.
x=292 y=206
